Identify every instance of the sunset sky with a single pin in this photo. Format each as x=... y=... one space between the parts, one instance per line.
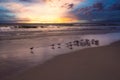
x=59 y=11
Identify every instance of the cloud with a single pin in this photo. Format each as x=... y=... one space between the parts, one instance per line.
x=9 y=16
x=56 y=10
x=26 y=0
x=43 y=10
x=98 y=6
x=31 y=1
x=3 y=1
x=115 y=6
x=6 y=15
x=99 y=11
x=68 y=5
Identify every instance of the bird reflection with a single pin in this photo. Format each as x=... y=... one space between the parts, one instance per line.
x=31 y=50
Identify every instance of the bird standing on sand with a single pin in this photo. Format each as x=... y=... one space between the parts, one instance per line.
x=59 y=45
x=53 y=46
x=69 y=45
x=32 y=49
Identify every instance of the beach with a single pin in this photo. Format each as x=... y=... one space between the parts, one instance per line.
x=60 y=57
x=59 y=39
x=99 y=63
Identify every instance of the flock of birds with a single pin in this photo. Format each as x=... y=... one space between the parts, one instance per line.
x=70 y=45
x=77 y=43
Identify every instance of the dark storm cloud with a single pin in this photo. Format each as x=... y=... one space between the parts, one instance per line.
x=98 y=6
x=108 y=10
x=115 y=6
x=89 y=9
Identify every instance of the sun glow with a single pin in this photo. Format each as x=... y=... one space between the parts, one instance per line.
x=51 y=20
x=45 y=11
x=48 y=14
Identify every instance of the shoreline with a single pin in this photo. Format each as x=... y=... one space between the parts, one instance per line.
x=98 y=63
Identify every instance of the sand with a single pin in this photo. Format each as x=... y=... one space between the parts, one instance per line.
x=102 y=63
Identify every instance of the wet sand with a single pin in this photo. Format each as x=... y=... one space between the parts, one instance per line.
x=100 y=63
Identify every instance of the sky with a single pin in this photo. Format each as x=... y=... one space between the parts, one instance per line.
x=59 y=11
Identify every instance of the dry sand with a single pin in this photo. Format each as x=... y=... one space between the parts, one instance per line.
x=102 y=63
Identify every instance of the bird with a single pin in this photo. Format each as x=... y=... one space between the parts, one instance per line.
x=53 y=46
x=59 y=45
x=32 y=50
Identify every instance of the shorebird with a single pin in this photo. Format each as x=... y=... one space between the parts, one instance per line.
x=53 y=46
x=32 y=50
x=97 y=42
x=87 y=42
x=59 y=45
x=76 y=43
x=69 y=45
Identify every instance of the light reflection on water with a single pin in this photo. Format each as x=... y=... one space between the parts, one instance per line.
x=16 y=54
